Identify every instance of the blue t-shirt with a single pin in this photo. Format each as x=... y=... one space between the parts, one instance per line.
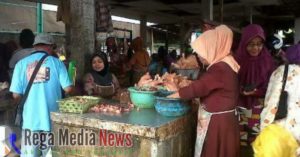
x=44 y=92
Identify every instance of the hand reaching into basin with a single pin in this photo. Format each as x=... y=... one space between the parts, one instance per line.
x=146 y=80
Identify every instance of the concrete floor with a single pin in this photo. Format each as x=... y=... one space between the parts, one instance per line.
x=246 y=151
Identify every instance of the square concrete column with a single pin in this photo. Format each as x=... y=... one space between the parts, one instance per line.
x=207 y=9
x=297 y=30
x=143 y=28
x=80 y=33
x=185 y=34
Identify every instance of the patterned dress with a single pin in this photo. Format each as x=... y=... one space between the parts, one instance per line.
x=292 y=121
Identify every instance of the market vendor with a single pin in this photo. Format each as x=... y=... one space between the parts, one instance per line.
x=113 y=55
x=100 y=81
x=217 y=129
x=140 y=60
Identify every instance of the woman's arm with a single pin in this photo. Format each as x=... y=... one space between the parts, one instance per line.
x=88 y=81
x=131 y=62
x=115 y=82
x=272 y=98
x=202 y=87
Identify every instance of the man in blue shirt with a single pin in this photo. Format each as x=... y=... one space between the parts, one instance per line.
x=44 y=92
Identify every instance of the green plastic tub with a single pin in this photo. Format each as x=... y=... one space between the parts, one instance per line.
x=142 y=99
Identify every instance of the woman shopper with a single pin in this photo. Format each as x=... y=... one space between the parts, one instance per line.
x=281 y=137
x=257 y=66
x=217 y=129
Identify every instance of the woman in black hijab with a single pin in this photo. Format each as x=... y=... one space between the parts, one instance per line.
x=100 y=81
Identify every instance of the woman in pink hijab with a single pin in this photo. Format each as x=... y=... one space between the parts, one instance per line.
x=217 y=129
x=257 y=66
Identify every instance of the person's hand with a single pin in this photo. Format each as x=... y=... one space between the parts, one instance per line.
x=175 y=95
x=145 y=80
x=174 y=65
x=4 y=85
x=203 y=123
x=250 y=92
x=171 y=86
x=149 y=83
x=153 y=83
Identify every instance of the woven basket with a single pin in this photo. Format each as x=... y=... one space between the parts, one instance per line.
x=77 y=104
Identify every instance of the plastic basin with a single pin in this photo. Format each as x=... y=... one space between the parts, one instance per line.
x=170 y=107
x=142 y=99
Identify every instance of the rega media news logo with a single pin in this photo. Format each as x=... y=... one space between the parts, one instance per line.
x=8 y=141
x=82 y=138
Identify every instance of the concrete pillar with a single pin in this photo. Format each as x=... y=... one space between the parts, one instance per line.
x=167 y=40
x=221 y=10
x=143 y=29
x=185 y=34
x=251 y=14
x=297 y=30
x=152 y=42
x=207 y=9
x=81 y=33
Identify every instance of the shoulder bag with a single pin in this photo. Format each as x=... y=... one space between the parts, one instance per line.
x=282 y=105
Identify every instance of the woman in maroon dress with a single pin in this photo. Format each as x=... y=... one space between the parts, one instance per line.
x=217 y=129
x=257 y=66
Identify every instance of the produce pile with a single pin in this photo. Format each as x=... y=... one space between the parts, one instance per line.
x=159 y=81
x=180 y=81
x=187 y=63
x=146 y=88
x=112 y=108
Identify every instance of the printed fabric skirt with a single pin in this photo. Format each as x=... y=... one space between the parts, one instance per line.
x=250 y=122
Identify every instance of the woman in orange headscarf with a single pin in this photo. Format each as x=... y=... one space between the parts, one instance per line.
x=140 y=60
x=217 y=129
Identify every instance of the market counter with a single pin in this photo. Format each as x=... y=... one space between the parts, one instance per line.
x=150 y=134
